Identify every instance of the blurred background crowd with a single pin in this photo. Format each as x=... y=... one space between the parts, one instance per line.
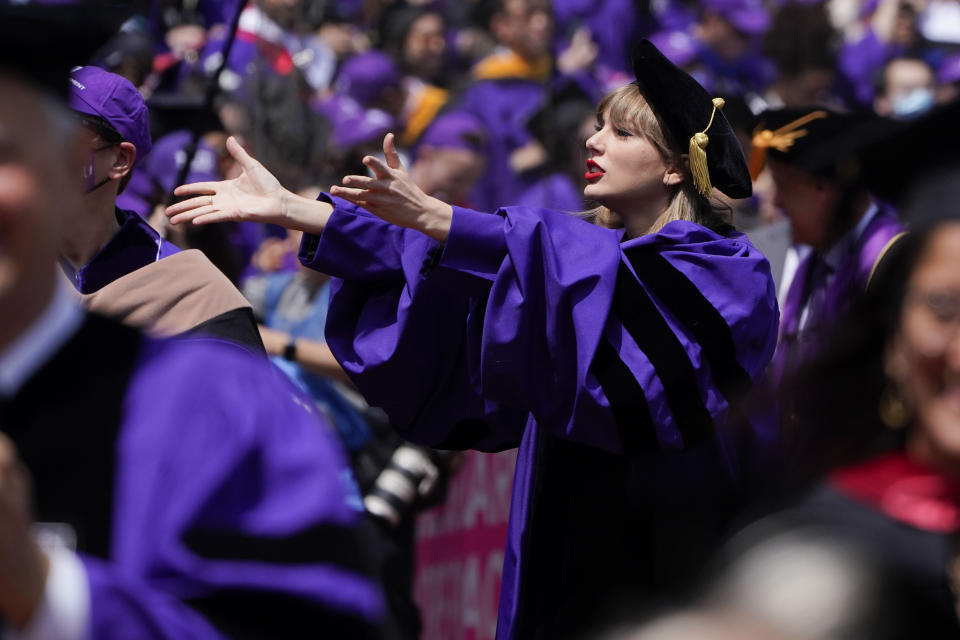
x=492 y=101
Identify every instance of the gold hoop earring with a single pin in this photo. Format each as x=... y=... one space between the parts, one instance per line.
x=893 y=409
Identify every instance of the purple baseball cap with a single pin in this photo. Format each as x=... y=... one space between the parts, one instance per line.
x=364 y=76
x=747 y=16
x=455 y=130
x=113 y=98
x=169 y=155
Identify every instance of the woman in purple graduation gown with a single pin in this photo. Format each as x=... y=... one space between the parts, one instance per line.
x=611 y=357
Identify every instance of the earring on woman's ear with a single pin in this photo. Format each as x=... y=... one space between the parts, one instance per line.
x=892 y=408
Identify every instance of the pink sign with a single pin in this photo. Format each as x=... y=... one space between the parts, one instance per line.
x=460 y=550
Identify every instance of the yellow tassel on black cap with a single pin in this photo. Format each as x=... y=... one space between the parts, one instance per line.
x=781 y=140
x=698 y=155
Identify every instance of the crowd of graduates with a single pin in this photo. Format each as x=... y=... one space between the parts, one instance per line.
x=310 y=87
x=737 y=413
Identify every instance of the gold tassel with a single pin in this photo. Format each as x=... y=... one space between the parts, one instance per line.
x=781 y=140
x=698 y=155
x=698 y=164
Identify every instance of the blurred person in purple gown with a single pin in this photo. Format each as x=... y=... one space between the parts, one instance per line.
x=149 y=488
x=728 y=35
x=507 y=87
x=415 y=36
x=610 y=357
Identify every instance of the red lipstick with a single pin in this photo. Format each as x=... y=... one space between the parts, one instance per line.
x=594 y=170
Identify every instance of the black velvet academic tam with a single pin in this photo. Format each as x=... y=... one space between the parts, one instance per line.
x=685 y=108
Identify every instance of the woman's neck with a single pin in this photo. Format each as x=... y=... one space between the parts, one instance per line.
x=639 y=220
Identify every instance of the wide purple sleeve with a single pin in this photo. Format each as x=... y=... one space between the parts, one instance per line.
x=631 y=346
x=235 y=514
x=355 y=245
x=398 y=330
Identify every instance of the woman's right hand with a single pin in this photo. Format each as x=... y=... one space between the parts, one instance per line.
x=253 y=196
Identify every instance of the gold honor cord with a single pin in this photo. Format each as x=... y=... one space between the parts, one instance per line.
x=698 y=154
x=781 y=140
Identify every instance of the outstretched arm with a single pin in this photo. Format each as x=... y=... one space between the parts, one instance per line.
x=393 y=196
x=253 y=196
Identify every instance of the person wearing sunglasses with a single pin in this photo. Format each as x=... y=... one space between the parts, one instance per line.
x=120 y=265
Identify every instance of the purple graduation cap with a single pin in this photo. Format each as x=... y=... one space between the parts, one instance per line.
x=113 y=99
x=456 y=130
x=168 y=158
x=747 y=16
x=365 y=76
x=351 y=124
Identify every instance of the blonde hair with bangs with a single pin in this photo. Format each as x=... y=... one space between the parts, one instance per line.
x=629 y=110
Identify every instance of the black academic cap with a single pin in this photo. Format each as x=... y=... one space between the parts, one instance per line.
x=686 y=110
x=915 y=150
x=820 y=141
x=42 y=41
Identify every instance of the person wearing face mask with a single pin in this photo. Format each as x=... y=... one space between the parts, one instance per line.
x=611 y=357
x=907 y=88
x=117 y=262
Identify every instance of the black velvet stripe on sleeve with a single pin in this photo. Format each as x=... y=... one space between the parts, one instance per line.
x=698 y=315
x=311 y=243
x=248 y=613
x=633 y=307
x=320 y=544
x=627 y=400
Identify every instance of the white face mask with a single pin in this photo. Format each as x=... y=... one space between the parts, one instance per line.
x=913 y=104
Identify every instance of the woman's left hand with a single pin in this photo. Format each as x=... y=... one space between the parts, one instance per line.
x=393 y=196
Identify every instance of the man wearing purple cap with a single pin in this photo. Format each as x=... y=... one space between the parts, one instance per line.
x=119 y=264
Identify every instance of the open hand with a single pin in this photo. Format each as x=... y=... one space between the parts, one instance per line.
x=254 y=196
x=393 y=195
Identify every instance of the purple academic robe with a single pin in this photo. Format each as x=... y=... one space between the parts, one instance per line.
x=848 y=283
x=207 y=499
x=611 y=364
x=135 y=245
